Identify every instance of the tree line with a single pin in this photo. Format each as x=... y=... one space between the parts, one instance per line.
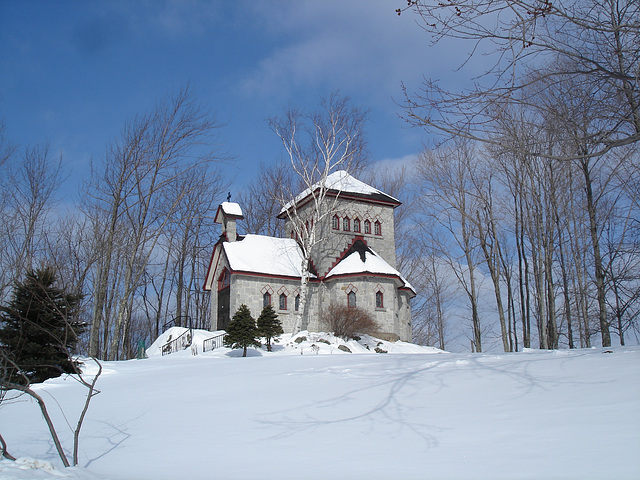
x=135 y=246
x=537 y=179
x=520 y=222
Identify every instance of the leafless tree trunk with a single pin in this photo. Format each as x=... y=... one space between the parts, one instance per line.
x=317 y=145
x=447 y=194
x=134 y=200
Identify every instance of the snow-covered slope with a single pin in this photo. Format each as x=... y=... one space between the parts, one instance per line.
x=293 y=414
x=304 y=343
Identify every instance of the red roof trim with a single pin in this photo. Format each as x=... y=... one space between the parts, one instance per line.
x=268 y=275
x=346 y=195
x=340 y=257
x=215 y=247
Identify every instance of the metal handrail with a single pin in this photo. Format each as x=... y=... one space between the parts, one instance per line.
x=178 y=343
x=214 y=342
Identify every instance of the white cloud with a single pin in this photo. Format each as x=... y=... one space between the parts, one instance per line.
x=388 y=164
x=356 y=45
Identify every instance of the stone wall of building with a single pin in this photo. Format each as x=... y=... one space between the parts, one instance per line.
x=333 y=242
x=391 y=317
x=250 y=290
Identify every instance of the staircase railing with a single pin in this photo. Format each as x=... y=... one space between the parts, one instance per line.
x=178 y=343
x=214 y=342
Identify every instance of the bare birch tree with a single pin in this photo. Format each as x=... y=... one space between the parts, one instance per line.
x=318 y=144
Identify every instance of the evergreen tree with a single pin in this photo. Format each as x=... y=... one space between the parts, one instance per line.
x=242 y=331
x=269 y=326
x=37 y=332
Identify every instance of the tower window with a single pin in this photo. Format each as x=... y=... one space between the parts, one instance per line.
x=367 y=227
x=335 y=223
x=377 y=228
x=296 y=303
x=266 y=299
x=346 y=224
x=283 y=301
x=356 y=225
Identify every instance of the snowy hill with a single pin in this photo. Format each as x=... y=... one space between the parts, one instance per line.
x=413 y=413
x=304 y=343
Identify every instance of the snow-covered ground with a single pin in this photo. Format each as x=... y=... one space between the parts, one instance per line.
x=411 y=413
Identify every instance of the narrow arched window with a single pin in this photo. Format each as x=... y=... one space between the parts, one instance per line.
x=367 y=227
x=346 y=224
x=377 y=228
x=356 y=225
x=224 y=280
x=351 y=299
x=296 y=303
x=283 y=301
x=379 y=300
x=335 y=223
x=266 y=299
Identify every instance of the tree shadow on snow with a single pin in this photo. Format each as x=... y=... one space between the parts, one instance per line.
x=251 y=352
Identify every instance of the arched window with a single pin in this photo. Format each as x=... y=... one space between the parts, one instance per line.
x=356 y=225
x=266 y=299
x=346 y=224
x=367 y=227
x=351 y=299
x=335 y=223
x=296 y=303
x=379 y=299
x=377 y=228
x=283 y=301
x=224 y=280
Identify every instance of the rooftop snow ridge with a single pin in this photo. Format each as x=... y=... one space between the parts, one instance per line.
x=340 y=181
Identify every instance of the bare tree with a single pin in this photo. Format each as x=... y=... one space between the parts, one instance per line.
x=261 y=201
x=49 y=311
x=7 y=386
x=134 y=199
x=318 y=144
x=27 y=202
x=573 y=61
x=450 y=201
x=597 y=42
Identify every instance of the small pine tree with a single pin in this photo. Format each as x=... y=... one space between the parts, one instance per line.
x=37 y=330
x=269 y=326
x=242 y=331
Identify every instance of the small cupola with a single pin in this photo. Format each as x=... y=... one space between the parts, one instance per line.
x=227 y=214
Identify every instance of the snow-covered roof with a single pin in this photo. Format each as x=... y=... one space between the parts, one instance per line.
x=342 y=182
x=266 y=255
x=353 y=264
x=231 y=208
x=228 y=209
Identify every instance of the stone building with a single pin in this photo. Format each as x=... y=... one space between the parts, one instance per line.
x=353 y=264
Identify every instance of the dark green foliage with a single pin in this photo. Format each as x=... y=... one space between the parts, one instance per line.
x=38 y=333
x=269 y=326
x=242 y=331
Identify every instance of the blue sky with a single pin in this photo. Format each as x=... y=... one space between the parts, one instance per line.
x=73 y=72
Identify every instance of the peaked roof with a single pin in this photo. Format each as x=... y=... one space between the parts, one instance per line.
x=344 y=184
x=228 y=209
x=360 y=259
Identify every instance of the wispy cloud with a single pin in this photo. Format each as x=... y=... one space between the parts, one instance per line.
x=354 y=45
